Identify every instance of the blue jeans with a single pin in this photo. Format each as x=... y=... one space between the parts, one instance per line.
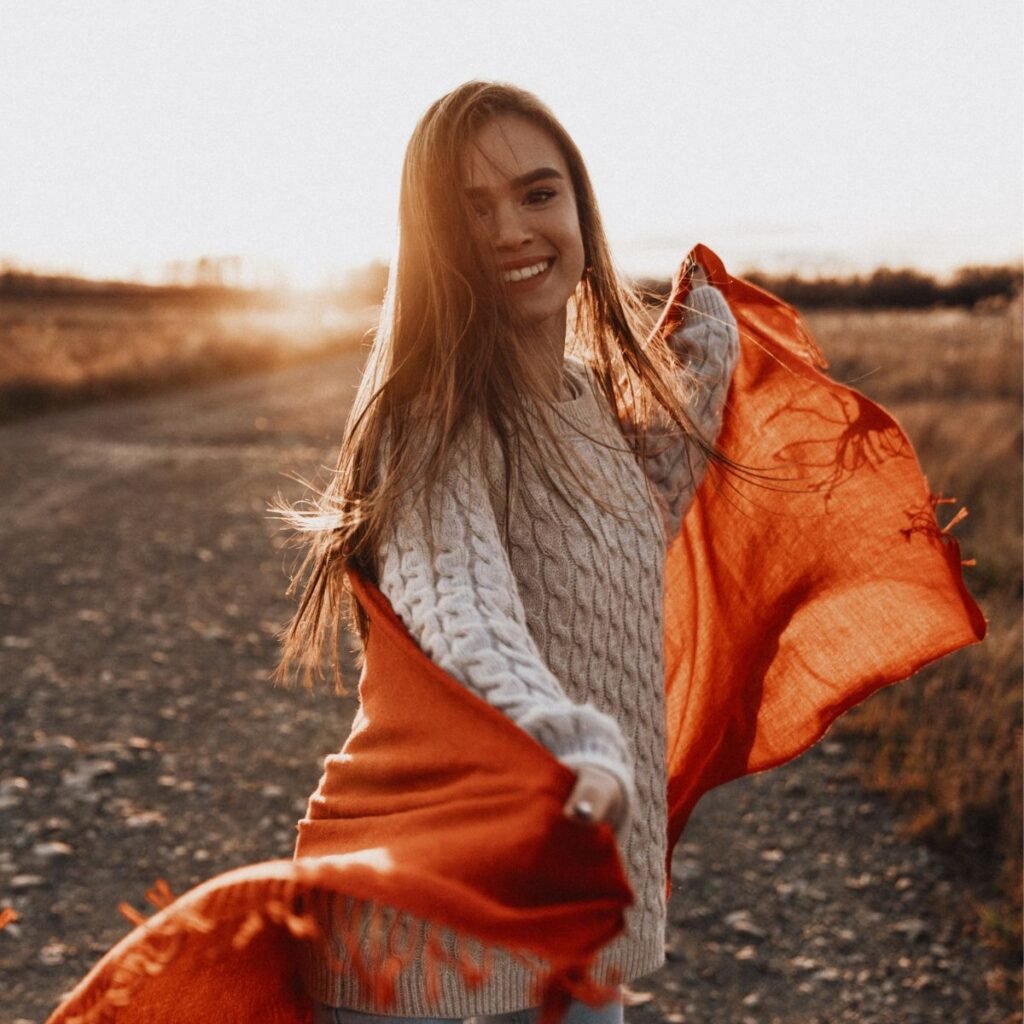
x=578 y=1013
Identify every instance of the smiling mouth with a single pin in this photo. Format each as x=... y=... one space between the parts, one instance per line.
x=526 y=273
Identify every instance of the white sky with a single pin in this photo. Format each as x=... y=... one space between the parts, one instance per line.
x=812 y=134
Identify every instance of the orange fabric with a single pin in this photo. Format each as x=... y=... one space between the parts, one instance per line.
x=791 y=597
x=785 y=605
x=474 y=828
x=438 y=805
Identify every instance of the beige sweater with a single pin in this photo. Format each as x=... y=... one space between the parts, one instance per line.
x=562 y=630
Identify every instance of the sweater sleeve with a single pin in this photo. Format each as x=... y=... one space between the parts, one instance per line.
x=448 y=577
x=708 y=344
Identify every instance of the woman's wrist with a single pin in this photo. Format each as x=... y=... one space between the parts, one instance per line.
x=599 y=795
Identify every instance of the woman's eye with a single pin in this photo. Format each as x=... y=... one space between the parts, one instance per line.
x=540 y=195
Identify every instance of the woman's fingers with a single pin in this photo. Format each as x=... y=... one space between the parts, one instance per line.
x=597 y=796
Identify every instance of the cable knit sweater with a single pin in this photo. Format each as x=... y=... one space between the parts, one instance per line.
x=563 y=630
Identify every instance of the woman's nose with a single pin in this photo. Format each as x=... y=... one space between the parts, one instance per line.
x=510 y=229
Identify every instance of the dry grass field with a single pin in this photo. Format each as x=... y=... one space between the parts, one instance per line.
x=947 y=746
x=66 y=348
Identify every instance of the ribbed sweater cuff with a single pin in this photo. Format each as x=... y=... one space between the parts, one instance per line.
x=707 y=301
x=579 y=734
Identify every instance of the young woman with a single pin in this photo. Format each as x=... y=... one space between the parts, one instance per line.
x=516 y=461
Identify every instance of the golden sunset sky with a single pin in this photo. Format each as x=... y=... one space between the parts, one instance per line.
x=792 y=134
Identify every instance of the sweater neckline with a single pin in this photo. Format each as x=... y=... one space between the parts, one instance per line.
x=580 y=411
x=585 y=411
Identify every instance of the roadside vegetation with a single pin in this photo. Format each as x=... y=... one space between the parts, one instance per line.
x=64 y=341
x=947 y=744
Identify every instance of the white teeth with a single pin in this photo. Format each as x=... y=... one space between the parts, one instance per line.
x=524 y=273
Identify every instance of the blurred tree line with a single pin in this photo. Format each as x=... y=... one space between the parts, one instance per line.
x=882 y=289
x=216 y=282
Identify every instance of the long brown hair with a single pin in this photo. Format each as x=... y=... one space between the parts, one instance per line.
x=449 y=345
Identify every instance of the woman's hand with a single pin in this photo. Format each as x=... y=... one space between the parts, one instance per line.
x=597 y=796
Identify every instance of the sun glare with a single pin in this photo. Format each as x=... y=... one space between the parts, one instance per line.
x=276 y=140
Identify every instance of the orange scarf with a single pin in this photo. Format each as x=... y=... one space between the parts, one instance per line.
x=787 y=601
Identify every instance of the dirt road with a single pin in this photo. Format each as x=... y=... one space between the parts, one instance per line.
x=141 y=586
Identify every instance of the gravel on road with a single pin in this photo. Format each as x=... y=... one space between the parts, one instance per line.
x=142 y=587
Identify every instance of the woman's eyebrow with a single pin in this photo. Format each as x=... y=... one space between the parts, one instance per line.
x=522 y=181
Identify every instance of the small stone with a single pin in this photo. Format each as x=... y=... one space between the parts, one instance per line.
x=804 y=963
x=739 y=921
x=144 y=819
x=21 y=882
x=746 y=953
x=54 y=953
x=52 y=850
x=752 y=1000
x=913 y=929
x=859 y=882
x=83 y=775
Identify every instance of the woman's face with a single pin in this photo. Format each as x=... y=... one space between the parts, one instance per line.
x=520 y=188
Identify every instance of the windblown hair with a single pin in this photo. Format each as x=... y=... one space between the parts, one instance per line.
x=449 y=346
